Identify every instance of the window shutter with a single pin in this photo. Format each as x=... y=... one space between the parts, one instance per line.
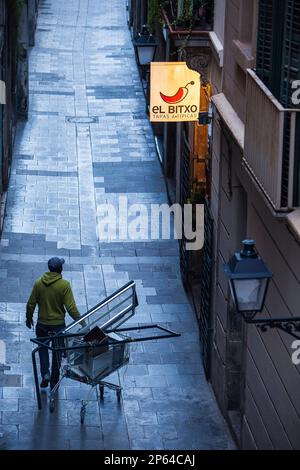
x=264 y=41
x=290 y=51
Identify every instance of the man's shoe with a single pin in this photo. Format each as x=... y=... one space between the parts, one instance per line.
x=45 y=381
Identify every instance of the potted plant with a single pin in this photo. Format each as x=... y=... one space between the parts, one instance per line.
x=190 y=12
x=155 y=12
x=184 y=13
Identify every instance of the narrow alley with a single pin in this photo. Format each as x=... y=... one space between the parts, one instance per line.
x=87 y=143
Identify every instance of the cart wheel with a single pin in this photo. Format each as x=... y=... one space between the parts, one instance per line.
x=51 y=405
x=101 y=389
x=119 y=395
x=82 y=413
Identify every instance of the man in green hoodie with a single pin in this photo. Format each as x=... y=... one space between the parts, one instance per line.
x=54 y=296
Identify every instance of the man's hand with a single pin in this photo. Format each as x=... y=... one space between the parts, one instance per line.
x=29 y=323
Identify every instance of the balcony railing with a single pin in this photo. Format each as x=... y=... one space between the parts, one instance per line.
x=269 y=152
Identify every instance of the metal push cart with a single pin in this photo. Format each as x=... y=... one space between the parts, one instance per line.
x=93 y=347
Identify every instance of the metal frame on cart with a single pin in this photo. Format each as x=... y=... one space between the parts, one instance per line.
x=57 y=342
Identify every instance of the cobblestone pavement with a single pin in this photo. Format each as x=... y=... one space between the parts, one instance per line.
x=83 y=66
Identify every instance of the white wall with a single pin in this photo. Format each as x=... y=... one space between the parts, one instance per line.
x=219 y=19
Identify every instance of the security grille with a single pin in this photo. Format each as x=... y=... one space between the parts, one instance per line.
x=205 y=326
x=184 y=196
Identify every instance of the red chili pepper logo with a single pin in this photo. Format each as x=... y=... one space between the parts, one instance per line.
x=179 y=95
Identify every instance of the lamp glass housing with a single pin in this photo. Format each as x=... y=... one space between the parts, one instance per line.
x=146 y=53
x=145 y=45
x=249 y=294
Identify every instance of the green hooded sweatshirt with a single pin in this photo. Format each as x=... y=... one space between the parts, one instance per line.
x=54 y=296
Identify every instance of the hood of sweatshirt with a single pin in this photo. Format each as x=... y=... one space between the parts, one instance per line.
x=49 y=278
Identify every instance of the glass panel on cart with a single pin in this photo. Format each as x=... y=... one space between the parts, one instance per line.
x=112 y=311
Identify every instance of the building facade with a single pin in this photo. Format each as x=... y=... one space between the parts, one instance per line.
x=255 y=194
x=17 y=28
x=248 y=51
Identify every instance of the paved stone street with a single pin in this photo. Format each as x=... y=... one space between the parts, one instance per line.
x=64 y=169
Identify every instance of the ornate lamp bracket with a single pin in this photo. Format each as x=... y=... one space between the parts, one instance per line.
x=290 y=326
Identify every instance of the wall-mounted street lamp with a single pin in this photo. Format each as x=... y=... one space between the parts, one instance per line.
x=249 y=280
x=145 y=45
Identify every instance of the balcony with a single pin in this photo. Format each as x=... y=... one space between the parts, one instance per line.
x=270 y=138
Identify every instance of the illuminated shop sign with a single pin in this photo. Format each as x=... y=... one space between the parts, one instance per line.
x=174 y=92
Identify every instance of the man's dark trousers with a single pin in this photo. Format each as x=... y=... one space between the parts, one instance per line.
x=42 y=331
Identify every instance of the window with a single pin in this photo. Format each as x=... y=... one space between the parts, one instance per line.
x=291 y=51
x=269 y=43
x=278 y=46
x=278 y=65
